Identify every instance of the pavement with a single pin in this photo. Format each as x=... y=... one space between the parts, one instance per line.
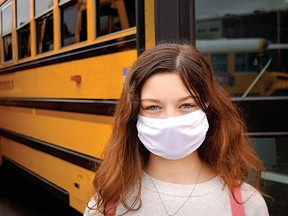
x=21 y=197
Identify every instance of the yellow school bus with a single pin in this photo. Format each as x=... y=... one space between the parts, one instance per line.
x=61 y=72
x=244 y=66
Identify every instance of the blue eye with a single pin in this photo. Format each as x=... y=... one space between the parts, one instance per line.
x=186 y=106
x=153 y=108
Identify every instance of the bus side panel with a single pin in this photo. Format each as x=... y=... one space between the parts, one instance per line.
x=98 y=77
x=83 y=133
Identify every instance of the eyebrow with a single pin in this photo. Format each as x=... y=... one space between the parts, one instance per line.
x=158 y=101
x=150 y=100
x=185 y=98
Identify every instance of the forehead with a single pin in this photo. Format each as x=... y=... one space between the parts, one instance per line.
x=164 y=85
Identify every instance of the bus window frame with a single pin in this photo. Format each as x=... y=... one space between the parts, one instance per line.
x=36 y=16
x=3 y=7
x=77 y=40
x=21 y=24
x=18 y=29
x=42 y=29
x=98 y=4
x=60 y=3
x=45 y=14
x=23 y=27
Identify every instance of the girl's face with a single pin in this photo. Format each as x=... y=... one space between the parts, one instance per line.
x=163 y=95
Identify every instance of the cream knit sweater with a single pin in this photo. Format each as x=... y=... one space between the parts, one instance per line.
x=208 y=198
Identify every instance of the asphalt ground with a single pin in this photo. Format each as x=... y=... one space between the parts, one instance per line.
x=20 y=196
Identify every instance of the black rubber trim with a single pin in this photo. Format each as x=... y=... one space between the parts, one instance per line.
x=88 y=106
x=70 y=156
x=140 y=24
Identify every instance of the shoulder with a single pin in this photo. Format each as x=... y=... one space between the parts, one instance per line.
x=254 y=203
x=90 y=208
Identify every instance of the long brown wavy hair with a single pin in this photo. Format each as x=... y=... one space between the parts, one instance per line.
x=225 y=149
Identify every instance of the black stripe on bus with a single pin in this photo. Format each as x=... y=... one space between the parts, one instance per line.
x=97 y=49
x=88 y=106
x=53 y=189
x=70 y=156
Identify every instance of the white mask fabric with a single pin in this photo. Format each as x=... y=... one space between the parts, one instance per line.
x=173 y=138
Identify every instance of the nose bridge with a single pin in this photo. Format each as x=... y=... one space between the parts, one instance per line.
x=171 y=111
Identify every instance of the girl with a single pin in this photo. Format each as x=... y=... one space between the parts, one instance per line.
x=178 y=145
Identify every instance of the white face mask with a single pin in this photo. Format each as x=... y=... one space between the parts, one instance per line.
x=174 y=137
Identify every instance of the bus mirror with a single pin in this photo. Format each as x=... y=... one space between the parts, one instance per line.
x=255 y=62
x=259 y=61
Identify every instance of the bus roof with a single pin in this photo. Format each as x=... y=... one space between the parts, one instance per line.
x=230 y=45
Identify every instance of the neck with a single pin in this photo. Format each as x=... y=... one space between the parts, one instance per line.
x=183 y=171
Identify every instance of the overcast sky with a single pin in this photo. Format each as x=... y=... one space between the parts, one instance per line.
x=217 y=8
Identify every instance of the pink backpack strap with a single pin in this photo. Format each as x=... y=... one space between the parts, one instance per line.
x=110 y=209
x=237 y=209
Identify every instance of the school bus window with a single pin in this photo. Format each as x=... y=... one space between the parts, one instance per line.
x=24 y=42
x=244 y=62
x=114 y=15
x=219 y=63
x=6 y=24
x=44 y=26
x=73 y=22
x=23 y=12
x=130 y=10
x=44 y=33
x=23 y=28
x=7 y=45
x=42 y=6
